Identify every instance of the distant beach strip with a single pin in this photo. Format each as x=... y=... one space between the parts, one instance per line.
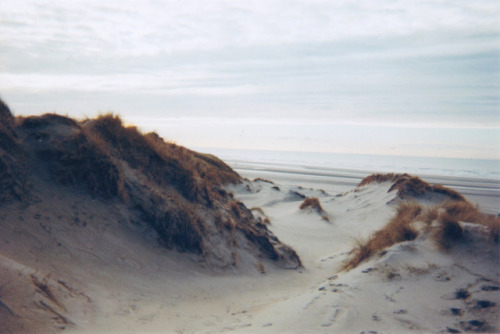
x=477 y=180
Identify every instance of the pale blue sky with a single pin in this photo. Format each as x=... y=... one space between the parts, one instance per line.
x=384 y=77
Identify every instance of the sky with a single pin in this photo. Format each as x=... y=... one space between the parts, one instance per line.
x=393 y=77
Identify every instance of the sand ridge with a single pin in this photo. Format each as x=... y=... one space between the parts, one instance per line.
x=114 y=247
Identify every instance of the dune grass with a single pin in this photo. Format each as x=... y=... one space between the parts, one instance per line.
x=176 y=191
x=312 y=203
x=397 y=230
x=191 y=173
x=78 y=161
x=442 y=222
x=411 y=186
x=109 y=134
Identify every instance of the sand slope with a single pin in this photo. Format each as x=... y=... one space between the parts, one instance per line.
x=115 y=249
x=412 y=287
x=93 y=208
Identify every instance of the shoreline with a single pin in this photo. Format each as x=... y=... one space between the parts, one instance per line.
x=480 y=191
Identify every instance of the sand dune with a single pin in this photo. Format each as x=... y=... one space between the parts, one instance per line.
x=412 y=286
x=86 y=250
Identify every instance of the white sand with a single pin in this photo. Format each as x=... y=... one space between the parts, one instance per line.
x=115 y=282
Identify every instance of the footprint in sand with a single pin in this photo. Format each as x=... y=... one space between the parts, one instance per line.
x=332 y=315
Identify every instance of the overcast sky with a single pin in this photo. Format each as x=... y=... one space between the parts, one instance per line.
x=384 y=77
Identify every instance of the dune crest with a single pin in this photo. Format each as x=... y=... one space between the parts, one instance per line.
x=69 y=190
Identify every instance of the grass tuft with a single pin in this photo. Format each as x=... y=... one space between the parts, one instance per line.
x=446 y=233
x=312 y=203
x=397 y=230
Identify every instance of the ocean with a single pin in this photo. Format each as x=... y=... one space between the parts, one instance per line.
x=421 y=166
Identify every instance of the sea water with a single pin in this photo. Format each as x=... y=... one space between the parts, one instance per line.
x=366 y=163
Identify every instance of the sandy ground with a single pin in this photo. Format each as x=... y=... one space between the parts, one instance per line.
x=123 y=284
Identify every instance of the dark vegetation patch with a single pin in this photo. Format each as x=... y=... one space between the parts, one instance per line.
x=449 y=232
x=77 y=161
x=127 y=144
x=37 y=122
x=179 y=228
x=13 y=181
x=466 y=212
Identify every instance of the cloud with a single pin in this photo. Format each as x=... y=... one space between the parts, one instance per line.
x=400 y=63
x=151 y=27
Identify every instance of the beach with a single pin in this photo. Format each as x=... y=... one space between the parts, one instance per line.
x=413 y=291
x=114 y=278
